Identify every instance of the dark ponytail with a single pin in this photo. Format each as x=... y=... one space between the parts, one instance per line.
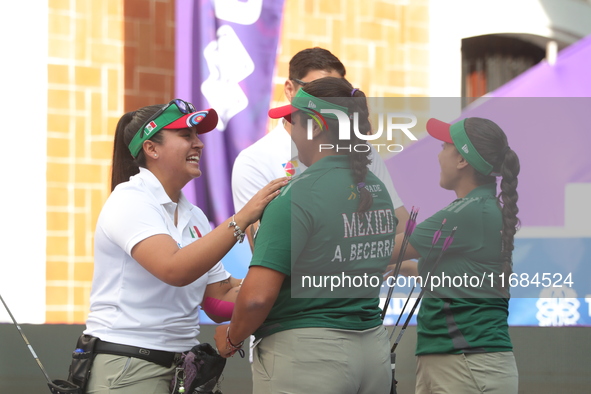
x=508 y=198
x=491 y=142
x=340 y=91
x=124 y=165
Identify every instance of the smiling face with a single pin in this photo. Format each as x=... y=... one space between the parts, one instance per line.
x=178 y=156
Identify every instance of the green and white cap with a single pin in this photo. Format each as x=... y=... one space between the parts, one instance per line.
x=177 y=114
x=456 y=134
x=312 y=105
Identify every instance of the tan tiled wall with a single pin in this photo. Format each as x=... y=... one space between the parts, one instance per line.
x=102 y=54
x=383 y=44
x=111 y=56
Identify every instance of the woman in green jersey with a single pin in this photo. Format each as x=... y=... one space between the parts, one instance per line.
x=463 y=343
x=311 y=293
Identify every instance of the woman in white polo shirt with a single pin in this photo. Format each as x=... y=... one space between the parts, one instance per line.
x=156 y=257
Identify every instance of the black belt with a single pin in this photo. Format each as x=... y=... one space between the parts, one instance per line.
x=159 y=357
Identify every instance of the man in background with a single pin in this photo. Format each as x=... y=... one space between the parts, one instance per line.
x=275 y=155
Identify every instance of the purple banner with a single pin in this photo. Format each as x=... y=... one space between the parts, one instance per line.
x=225 y=59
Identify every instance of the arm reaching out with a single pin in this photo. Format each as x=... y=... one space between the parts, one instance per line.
x=163 y=258
x=219 y=299
x=255 y=300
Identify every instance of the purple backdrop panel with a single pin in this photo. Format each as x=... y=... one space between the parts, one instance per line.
x=225 y=59
x=545 y=114
x=551 y=136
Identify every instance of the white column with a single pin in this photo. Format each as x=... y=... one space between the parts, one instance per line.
x=23 y=157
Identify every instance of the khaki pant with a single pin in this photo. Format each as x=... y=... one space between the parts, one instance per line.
x=128 y=375
x=323 y=361
x=467 y=373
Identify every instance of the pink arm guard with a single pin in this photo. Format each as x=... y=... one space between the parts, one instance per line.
x=218 y=307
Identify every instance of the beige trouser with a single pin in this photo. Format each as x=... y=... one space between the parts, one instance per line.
x=128 y=375
x=467 y=373
x=323 y=361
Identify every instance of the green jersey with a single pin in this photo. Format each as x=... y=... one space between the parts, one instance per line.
x=463 y=310
x=334 y=256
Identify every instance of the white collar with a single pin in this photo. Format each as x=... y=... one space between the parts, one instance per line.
x=290 y=148
x=157 y=190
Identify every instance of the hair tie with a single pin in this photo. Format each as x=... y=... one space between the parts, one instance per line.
x=353 y=91
x=502 y=157
x=360 y=186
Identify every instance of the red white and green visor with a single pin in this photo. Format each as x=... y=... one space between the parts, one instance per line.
x=303 y=101
x=456 y=134
x=177 y=114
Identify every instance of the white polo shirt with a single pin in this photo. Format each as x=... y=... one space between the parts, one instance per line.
x=129 y=305
x=275 y=156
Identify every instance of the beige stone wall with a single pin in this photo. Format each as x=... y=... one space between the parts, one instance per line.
x=104 y=59
x=383 y=44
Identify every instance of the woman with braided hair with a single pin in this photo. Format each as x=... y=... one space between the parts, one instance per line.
x=463 y=343
x=311 y=296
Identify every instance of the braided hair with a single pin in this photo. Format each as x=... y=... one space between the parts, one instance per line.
x=340 y=91
x=124 y=164
x=491 y=142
